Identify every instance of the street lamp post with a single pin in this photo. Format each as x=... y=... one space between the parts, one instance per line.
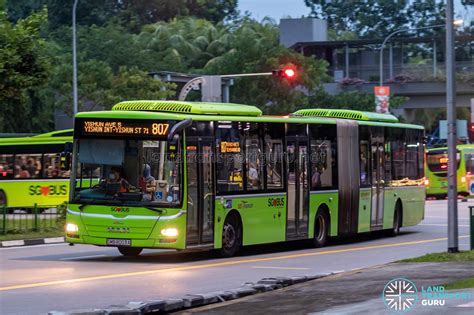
x=74 y=59
x=451 y=117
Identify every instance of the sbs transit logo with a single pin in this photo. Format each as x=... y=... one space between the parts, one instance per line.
x=400 y=295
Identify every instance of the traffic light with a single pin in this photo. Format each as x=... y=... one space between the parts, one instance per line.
x=287 y=73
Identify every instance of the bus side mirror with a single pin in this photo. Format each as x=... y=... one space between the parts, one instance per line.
x=425 y=139
x=65 y=157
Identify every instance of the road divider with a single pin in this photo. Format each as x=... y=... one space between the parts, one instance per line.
x=36 y=241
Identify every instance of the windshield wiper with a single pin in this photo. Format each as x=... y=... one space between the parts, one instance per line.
x=156 y=209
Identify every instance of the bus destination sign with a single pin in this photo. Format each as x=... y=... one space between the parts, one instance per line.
x=135 y=128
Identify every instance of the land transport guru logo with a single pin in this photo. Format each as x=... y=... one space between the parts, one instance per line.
x=401 y=295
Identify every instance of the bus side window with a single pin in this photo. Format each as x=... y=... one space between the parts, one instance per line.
x=230 y=159
x=274 y=133
x=323 y=157
x=364 y=164
x=6 y=166
x=28 y=166
x=253 y=156
x=51 y=166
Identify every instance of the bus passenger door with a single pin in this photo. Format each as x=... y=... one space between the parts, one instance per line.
x=200 y=186
x=378 y=172
x=298 y=189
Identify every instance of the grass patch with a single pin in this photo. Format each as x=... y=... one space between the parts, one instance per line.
x=461 y=284
x=443 y=257
x=32 y=235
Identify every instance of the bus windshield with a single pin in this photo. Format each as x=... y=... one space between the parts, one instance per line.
x=437 y=161
x=135 y=172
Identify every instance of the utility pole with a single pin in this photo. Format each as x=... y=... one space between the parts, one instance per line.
x=74 y=59
x=453 y=245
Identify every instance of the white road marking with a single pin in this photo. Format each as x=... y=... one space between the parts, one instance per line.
x=440 y=224
x=81 y=257
x=469 y=304
x=283 y=268
x=435 y=217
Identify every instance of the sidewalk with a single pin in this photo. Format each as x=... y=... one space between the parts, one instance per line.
x=358 y=292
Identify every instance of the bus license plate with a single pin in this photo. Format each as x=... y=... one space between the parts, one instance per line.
x=119 y=242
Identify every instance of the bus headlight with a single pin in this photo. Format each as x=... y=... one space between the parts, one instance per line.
x=463 y=179
x=70 y=227
x=169 y=232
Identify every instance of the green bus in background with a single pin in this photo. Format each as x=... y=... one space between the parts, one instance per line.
x=437 y=171
x=30 y=170
x=185 y=175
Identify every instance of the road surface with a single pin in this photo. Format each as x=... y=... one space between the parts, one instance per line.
x=38 y=279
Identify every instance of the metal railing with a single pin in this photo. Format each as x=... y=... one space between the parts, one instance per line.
x=31 y=219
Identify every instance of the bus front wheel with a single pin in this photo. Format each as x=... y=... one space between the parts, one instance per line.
x=321 y=229
x=231 y=236
x=130 y=251
x=3 y=198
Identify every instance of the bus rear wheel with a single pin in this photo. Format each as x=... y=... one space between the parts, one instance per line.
x=321 y=229
x=397 y=220
x=231 y=237
x=130 y=251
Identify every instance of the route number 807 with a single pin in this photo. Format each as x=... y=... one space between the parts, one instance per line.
x=159 y=129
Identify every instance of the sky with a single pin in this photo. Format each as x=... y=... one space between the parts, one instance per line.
x=277 y=9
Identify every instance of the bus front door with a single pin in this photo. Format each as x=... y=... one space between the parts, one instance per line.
x=298 y=189
x=378 y=172
x=200 y=186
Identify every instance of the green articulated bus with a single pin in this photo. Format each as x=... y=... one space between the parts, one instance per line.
x=30 y=170
x=437 y=171
x=185 y=175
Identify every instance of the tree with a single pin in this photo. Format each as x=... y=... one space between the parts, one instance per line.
x=368 y=19
x=354 y=100
x=99 y=87
x=23 y=69
x=132 y=14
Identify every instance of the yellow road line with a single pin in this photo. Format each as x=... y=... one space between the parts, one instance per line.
x=282 y=268
x=218 y=264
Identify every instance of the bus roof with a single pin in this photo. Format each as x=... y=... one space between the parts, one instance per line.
x=60 y=136
x=201 y=111
x=460 y=147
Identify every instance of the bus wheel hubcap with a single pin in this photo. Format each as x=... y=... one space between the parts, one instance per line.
x=321 y=228
x=229 y=236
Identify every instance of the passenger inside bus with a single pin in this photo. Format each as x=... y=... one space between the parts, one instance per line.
x=147 y=183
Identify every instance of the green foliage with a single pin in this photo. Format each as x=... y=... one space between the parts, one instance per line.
x=133 y=14
x=378 y=18
x=24 y=68
x=443 y=257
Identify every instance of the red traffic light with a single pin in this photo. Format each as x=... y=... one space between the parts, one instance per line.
x=287 y=73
